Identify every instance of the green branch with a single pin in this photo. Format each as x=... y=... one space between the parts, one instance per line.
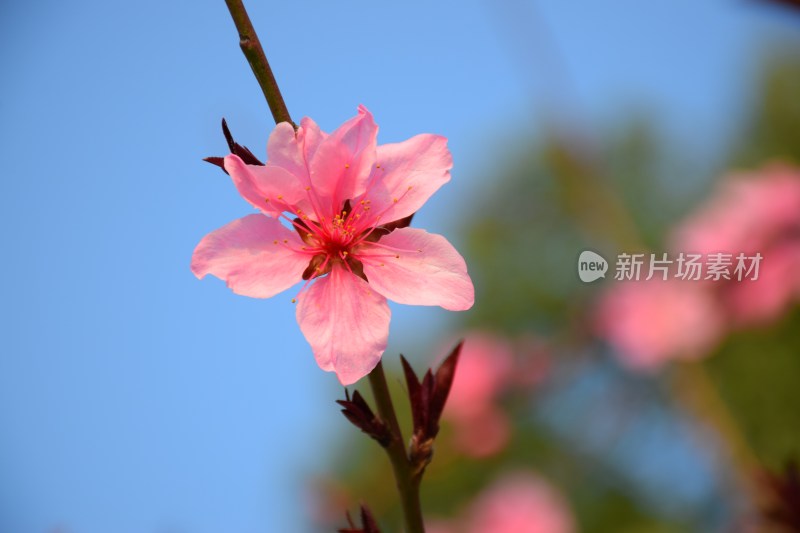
x=407 y=483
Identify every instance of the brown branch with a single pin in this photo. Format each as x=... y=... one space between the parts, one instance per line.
x=251 y=47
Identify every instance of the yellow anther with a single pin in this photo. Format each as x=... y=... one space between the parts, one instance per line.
x=308 y=187
x=266 y=200
x=397 y=257
x=280 y=197
x=394 y=200
x=377 y=166
x=346 y=165
x=309 y=235
x=344 y=253
x=383 y=265
x=410 y=187
x=275 y=241
x=285 y=241
x=294 y=300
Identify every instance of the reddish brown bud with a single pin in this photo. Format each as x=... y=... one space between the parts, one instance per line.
x=358 y=412
x=783 y=490
x=427 y=400
x=237 y=149
x=368 y=523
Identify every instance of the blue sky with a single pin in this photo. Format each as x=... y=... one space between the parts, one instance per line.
x=134 y=398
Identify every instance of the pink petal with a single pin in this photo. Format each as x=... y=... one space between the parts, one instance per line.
x=409 y=172
x=341 y=166
x=245 y=255
x=285 y=150
x=346 y=323
x=256 y=183
x=428 y=271
x=312 y=137
x=292 y=150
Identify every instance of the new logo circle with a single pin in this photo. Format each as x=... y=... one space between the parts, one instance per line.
x=591 y=266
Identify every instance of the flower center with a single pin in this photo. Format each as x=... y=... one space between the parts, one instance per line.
x=332 y=241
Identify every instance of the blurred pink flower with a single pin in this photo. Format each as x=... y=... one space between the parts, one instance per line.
x=777 y=287
x=347 y=200
x=746 y=213
x=757 y=212
x=519 y=503
x=651 y=322
x=485 y=368
x=533 y=362
x=485 y=434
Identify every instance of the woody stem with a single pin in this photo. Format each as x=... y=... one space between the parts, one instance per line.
x=407 y=484
x=251 y=47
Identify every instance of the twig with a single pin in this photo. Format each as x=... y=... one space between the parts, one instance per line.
x=251 y=47
x=407 y=483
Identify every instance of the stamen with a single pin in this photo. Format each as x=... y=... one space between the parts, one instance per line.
x=377 y=256
x=313 y=200
x=343 y=255
x=313 y=277
x=311 y=224
x=393 y=248
x=302 y=250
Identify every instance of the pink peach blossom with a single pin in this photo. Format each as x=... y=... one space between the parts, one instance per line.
x=484 y=434
x=751 y=213
x=746 y=213
x=651 y=322
x=756 y=212
x=778 y=285
x=519 y=503
x=345 y=199
x=485 y=366
x=485 y=369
